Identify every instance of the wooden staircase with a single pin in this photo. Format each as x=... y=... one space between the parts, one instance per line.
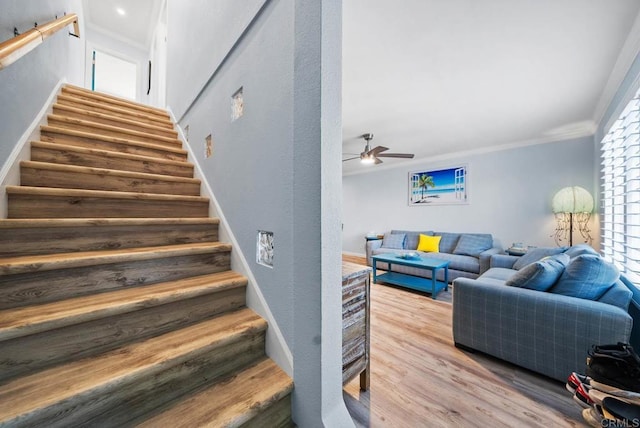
x=117 y=303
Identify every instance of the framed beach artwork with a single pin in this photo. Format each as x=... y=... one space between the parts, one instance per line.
x=438 y=187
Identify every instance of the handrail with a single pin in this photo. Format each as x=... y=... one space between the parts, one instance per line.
x=13 y=49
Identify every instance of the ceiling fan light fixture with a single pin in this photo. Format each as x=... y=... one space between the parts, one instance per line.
x=367 y=159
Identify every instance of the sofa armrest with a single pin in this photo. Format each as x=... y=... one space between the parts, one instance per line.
x=374 y=244
x=485 y=258
x=545 y=332
x=503 y=261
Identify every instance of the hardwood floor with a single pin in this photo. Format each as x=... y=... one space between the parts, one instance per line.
x=419 y=379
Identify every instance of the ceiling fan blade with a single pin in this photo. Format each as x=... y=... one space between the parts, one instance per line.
x=397 y=155
x=356 y=157
x=377 y=150
x=378 y=161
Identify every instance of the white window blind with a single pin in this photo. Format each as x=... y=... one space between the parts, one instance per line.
x=621 y=192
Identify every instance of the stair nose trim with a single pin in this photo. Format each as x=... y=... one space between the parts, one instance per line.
x=102 y=152
x=116 y=100
x=118 y=119
x=231 y=402
x=43 y=390
x=93 y=136
x=103 y=194
x=70 y=122
x=105 y=171
x=48 y=262
x=29 y=320
x=96 y=222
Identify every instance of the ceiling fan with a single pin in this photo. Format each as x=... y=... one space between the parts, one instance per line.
x=370 y=156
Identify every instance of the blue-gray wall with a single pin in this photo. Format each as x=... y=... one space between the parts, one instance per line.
x=510 y=193
x=26 y=84
x=265 y=171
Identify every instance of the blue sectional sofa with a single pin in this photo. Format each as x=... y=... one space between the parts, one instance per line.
x=464 y=261
x=550 y=331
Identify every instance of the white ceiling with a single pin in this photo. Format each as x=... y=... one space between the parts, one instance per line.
x=434 y=77
x=135 y=27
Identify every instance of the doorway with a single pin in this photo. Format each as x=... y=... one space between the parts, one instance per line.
x=113 y=75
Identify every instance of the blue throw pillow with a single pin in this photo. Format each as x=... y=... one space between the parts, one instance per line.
x=535 y=254
x=473 y=244
x=540 y=275
x=588 y=277
x=448 y=241
x=393 y=240
x=580 y=249
x=618 y=295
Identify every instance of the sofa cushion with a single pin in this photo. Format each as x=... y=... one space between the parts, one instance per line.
x=429 y=243
x=448 y=242
x=535 y=254
x=472 y=244
x=618 y=295
x=498 y=273
x=456 y=262
x=588 y=277
x=394 y=240
x=540 y=275
x=411 y=242
x=580 y=249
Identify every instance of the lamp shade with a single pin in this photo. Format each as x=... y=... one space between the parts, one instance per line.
x=572 y=200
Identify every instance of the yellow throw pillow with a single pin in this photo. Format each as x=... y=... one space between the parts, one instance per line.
x=429 y=244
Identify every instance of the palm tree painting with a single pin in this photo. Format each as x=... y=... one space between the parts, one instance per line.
x=438 y=186
x=424 y=182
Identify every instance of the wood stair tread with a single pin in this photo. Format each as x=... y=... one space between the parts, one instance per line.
x=64 y=99
x=43 y=390
x=48 y=262
x=71 y=122
x=95 y=136
x=93 y=222
x=105 y=171
x=72 y=89
x=76 y=149
x=106 y=194
x=232 y=402
x=65 y=110
x=35 y=319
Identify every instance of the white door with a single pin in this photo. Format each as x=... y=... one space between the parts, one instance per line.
x=114 y=75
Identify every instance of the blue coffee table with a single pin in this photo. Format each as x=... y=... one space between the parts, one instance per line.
x=419 y=283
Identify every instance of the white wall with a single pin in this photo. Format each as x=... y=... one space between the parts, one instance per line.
x=510 y=193
x=265 y=171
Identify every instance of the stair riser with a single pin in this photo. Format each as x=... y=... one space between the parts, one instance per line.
x=68 y=157
x=112 y=121
x=39 y=351
x=115 y=102
x=48 y=286
x=38 y=177
x=112 y=133
x=34 y=241
x=276 y=416
x=40 y=206
x=121 y=147
x=114 y=112
x=150 y=390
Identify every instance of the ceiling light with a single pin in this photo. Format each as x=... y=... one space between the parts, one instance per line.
x=367 y=159
x=120 y=11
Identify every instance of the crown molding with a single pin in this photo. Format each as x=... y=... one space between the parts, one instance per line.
x=626 y=57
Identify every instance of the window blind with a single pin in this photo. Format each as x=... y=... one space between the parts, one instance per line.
x=621 y=192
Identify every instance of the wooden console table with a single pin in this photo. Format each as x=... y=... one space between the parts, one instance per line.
x=355 y=323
